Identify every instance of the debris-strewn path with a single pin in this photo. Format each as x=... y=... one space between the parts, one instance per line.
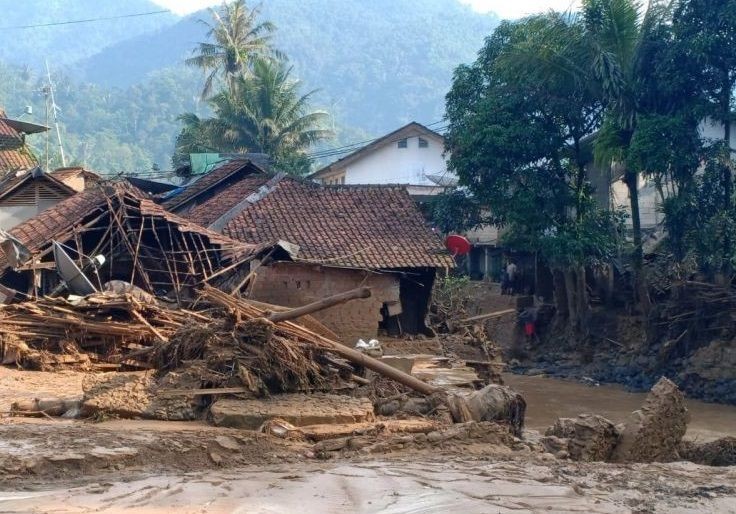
x=401 y=486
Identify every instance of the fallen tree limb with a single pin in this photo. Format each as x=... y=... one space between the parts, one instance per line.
x=325 y=303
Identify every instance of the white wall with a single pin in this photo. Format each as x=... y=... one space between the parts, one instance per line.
x=712 y=131
x=393 y=165
x=649 y=202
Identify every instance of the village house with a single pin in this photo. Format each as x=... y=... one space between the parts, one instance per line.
x=345 y=236
x=28 y=193
x=414 y=156
x=15 y=155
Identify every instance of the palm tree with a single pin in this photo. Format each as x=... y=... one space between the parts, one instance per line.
x=265 y=114
x=616 y=32
x=236 y=41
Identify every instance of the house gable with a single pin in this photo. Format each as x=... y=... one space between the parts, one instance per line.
x=413 y=154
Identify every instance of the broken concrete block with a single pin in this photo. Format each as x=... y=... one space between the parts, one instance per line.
x=498 y=403
x=297 y=409
x=133 y=395
x=654 y=432
x=588 y=437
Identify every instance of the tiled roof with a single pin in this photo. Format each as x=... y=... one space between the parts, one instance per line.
x=14 y=156
x=207 y=182
x=208 y=212
x=373 y=227
x=58 y=222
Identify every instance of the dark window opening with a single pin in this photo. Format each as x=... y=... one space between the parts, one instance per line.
x=403 y=143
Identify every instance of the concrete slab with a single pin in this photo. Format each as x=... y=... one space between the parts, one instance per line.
x=297 y=409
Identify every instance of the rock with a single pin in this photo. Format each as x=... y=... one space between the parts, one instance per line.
x=296 y=409
x=588 y=437
x=498 y=403
x=554 y=444
x=721 y=452
x=654 y=432
x=331 y=445
x=227 y=442
x=435 y=437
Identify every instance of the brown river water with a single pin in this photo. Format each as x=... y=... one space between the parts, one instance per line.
x=552 y=398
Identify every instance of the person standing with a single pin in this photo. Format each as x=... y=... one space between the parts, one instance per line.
x=511 y=272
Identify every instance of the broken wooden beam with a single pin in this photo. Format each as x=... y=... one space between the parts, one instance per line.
x=488 y=315
x=325 y=303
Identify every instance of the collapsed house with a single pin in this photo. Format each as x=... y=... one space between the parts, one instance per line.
x=112 y=234
x=345 y=237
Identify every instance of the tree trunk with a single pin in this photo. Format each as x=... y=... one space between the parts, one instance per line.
x=726 y=177
x=582 y=298
x=727 y=180
x=558 y=282
x=641 y=297
x=572 y=301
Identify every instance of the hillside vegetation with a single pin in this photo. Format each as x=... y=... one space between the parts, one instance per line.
x=377 y=65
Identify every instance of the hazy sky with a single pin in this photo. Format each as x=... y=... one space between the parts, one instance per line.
x=504 y=8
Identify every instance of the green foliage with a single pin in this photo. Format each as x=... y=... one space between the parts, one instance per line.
x=236 y=41
x=67 y=44
x=518 y=118
x=698 y=227
x=456 y=211
x=264 y=112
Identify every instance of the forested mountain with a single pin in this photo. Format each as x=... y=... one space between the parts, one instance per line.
x=66 y=44
x=378 y=64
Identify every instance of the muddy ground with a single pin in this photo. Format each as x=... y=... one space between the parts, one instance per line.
x=154 y=466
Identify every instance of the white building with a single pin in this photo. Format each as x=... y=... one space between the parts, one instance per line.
x=413 y=155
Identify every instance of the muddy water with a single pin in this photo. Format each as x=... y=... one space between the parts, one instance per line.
x=551 y=398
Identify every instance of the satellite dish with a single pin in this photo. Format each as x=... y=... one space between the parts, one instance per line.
x=70 y=273
x=457 y=245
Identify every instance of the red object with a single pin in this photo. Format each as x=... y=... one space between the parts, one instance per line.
x=529 y=329
x=457 y=245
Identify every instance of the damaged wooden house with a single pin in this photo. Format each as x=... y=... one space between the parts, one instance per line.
x=112 y=236
x=342 y=236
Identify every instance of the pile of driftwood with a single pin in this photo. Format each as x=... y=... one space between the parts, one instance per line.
x=222 y=340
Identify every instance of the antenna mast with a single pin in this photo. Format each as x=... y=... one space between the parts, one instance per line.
x=54 y=110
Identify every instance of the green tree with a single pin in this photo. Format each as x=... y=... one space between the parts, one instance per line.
x=617 y=32
x=236 y=41
x=519 y=119
x=265 y=113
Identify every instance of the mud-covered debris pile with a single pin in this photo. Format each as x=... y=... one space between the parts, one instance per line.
x=103 y=331
x=223 y=343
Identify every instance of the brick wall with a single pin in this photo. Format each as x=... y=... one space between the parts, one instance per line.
x=295 y=284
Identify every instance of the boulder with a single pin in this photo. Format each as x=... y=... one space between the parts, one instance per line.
x=654 y=432
x=720 y=452
x=587 y=437
x=498 y=403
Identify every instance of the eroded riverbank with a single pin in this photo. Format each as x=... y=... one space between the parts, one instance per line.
x=550 y=398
